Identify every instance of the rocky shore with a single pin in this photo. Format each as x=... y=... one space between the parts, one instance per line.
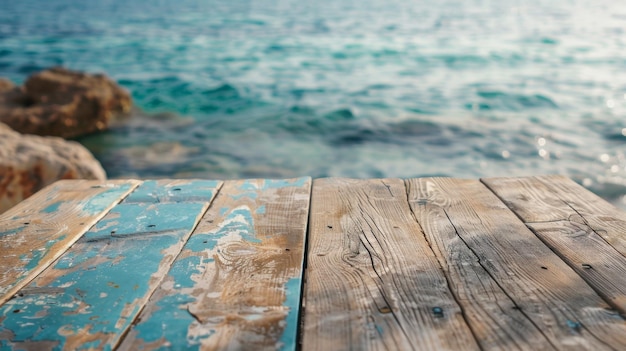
x=53 y=104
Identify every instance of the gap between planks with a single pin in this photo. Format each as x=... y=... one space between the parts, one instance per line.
x=139 y=213
x=545 y=335
x=306 y=248
x=57 y=217
x=123 y=336
x=585 y=231
x=246 y=253
x=365 y=288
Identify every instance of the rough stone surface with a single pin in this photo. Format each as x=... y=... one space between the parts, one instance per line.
x=60 y=102
x=30 y=162
x=6 y=85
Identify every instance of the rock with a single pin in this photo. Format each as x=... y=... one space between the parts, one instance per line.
x=6 y=85
x=29 y=163
x=60 y=102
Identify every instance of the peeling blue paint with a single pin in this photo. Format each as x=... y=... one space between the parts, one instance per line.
x=249 y=185
x=101 y=279
x=157 y=191
x=98 y=203
x=283 y=183
x=379 y=329
x=12 y=231
x=89 y=206
x=249 y=194
x=66 y=261
x=94 y=345
x=292 y=301
x=178 y=321
x=201 y=242
x=173 y=307
x=239 y=221
x=106 y=290
x=244 y=228
x=52 y=208
x=574 y=325
x=35 y=255
x=132 y=218
x=183 y=269
x=170 y=317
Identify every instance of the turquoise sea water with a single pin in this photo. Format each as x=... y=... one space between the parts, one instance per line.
x=372 y=88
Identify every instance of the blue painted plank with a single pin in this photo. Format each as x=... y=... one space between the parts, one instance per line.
x=174 y=191
x=89 y=297
x=237 y=282
x=38 y=230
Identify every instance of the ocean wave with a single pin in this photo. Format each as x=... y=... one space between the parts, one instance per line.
x=500 y=100
x=338 y=88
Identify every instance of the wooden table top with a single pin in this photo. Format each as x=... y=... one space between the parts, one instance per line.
x=536 y=263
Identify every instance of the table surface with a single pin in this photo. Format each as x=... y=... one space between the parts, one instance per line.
x=534 y=263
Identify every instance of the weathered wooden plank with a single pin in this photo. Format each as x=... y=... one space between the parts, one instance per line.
x=491 y=313
x=561 y=198
x=372 y=281
x=236 y=284
x=39 y=229
x=168 y=190
x=89 y=297
x=540 y=285
x=524 y=195
x=575 y=224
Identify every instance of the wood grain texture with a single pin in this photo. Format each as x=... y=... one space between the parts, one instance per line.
x=575 y=224
x=236 y=284
x=174 y=190
x=39 y=229
x=372 y=281
x=493 y=316
x=560 y=198
x=89 y=297
x=541 y=286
